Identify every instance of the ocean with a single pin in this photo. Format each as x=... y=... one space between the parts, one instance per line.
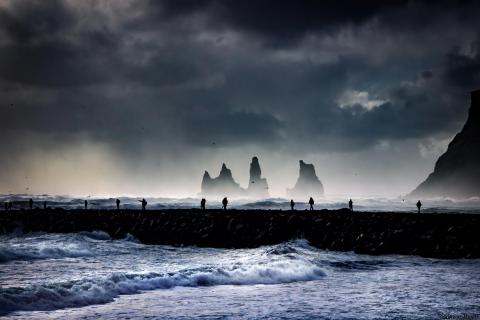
x=88 y=275
x=372 y=204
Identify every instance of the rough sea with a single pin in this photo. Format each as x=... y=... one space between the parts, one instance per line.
x=439 y=205
x=88 y=275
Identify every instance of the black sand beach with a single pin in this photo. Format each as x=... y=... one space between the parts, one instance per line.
x=430 y=235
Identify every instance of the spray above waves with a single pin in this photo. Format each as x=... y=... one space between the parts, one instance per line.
x=39 y=246
x=103 y=290
x=11 y=253
x=332 y=202
x=96 y=235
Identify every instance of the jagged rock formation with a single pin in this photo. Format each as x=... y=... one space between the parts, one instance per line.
x=223 y=185
x=257 y=186
x=457 y=171
x=308 y=184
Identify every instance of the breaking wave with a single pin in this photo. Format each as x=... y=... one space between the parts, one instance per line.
x=96 y=235
x=103 y=290
x=13 y=253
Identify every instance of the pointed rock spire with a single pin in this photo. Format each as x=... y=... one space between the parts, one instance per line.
x=257 y=186
x=308 y=184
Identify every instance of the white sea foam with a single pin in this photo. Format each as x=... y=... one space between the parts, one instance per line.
x=103 y=290
x=43 y=251
x=96 y=234
x=373 y=203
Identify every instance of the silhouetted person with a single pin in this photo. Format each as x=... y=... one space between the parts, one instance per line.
x=6 y=205
x=30 y=203
x=45 y=205
x=224 y=203
x=350 y=205
x=144 y=204
x=10 y=205
x=311 y=202
x=86 y=204
x=202 y=203
x=292 y=204
x=419 y=205
x=118 y=204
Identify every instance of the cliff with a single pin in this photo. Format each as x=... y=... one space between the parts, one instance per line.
x=257 y=186
x=308 y=184
x=457 y=171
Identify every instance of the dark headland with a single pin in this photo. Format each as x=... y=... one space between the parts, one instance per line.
x=427 y=234
x=457 y=171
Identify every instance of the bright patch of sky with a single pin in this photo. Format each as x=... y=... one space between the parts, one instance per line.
x=352 y=98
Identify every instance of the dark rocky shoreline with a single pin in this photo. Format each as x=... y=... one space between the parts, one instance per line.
x=445 y=235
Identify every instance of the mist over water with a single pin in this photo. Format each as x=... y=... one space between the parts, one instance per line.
x=471 y=205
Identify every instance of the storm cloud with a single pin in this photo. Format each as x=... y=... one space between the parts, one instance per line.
x=147 y=83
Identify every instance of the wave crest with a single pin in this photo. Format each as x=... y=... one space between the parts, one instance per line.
x=96 y=235
x=13 y=253
x=103 y=290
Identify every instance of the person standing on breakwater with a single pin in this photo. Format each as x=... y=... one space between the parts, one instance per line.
x=202 y=203
x=30 y=203
x=44 y=205
x=292 y=205
x=350 y=205
x=118 y=204
x=311 y=202
x=86 y=204
x=224 y=203
x=419 y=205
x=10 y=205
x=144 y=203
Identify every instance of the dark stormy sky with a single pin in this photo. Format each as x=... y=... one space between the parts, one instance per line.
x=140 y=97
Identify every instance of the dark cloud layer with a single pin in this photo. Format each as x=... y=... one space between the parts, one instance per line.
x=281 y=22
x=300 y=75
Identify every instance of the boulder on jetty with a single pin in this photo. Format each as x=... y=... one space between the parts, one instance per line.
x=223 y=185
x=308 y=184
x=457 y=171
x=257 y=186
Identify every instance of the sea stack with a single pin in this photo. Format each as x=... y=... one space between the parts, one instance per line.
x=223 y=185
x=457 y=171
x=308 y=184
x=257 y=186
